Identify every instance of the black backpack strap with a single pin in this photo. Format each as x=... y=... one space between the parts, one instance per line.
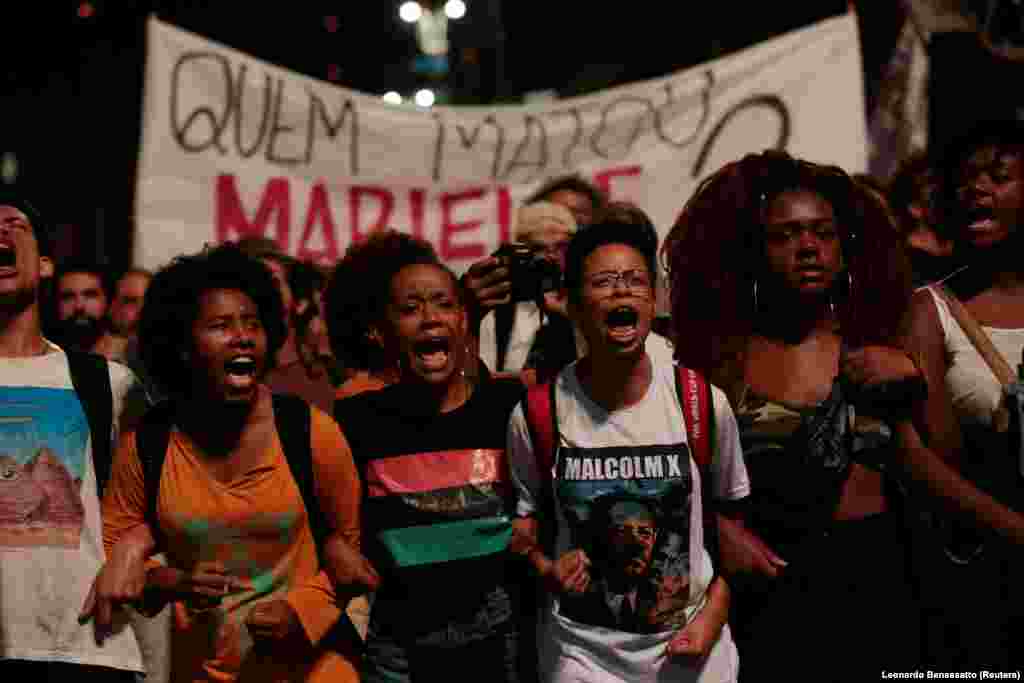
x=504 y=318
x=293 y=422
x=294 y=429
x=91 y=379
x=152 y=437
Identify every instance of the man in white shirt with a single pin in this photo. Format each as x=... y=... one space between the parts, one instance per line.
x=51 y=472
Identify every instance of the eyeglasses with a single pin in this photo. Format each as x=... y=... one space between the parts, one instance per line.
x=634 y=280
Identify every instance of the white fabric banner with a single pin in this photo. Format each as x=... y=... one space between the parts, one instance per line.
x=233 y=146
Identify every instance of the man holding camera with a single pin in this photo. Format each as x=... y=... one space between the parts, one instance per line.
x=519 y=309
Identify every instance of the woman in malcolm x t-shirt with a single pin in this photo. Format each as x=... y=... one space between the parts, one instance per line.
x=633 y=593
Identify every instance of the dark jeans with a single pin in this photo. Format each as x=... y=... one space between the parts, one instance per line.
x=843 y=610
x=973 y=614
x=59 y=672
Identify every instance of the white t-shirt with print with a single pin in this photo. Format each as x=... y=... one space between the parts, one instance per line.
x=51 y=535
x=616 y=473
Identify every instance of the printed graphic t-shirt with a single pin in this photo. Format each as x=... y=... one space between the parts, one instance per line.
x=255 y=526
x=51 y=536
x=628 y=493
x=437 y=513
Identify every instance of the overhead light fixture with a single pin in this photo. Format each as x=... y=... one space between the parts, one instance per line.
x=410 y=12
x=9 y=168
x=455 y=9
x=392 y=97
x=425 y=97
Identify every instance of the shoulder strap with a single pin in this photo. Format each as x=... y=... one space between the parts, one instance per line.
x=91 y=380
x=977 y=336
x=543 y=425
x=504 y=318
x=152 y=437
x=294 y=429
x=698 y=414
x=293 y=422
x=542 y=421
x=699 y=417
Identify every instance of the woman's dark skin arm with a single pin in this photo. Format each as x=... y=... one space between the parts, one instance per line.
x=930 y=445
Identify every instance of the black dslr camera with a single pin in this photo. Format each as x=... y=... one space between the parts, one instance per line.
x=531 y=274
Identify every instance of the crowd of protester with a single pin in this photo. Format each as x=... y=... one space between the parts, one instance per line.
x=809 y=467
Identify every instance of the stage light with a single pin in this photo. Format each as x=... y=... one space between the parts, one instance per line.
x=392 y=97
x=410 y=12
x=86 y=10
x=425 y=97
x=455 y=9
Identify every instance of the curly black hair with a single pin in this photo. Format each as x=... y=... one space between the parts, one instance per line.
x=171 y=307
x=358 y=292
x=617 y=223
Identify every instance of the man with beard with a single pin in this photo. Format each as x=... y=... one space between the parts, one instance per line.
x=82 y=294
x=50 y=424
x=625 y=532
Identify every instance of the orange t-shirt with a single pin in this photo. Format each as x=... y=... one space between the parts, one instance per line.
x=256 y=526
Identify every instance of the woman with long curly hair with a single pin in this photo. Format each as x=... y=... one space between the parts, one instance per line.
x=788 y=290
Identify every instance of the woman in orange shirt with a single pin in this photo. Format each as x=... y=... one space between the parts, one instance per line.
x=252 y=601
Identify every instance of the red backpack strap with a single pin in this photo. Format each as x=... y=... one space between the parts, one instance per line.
x=698 y=414
x=699 y=418
x=540 y=418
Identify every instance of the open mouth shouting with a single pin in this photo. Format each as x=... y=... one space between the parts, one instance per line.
x=980 y=219
x=8 y=259
x=432 y=353
x=622 y=324
x=242 y=371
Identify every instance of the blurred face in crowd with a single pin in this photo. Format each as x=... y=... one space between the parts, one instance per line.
x=426 y=324
x=990 y=195
x=615 y=306
x=579 y=205
x=552 y=239
x=128 y=297
x=21 y=266
x=316 y=332
x=802 y=242
x=229 y=355
x=81 y=308
x=280 y=275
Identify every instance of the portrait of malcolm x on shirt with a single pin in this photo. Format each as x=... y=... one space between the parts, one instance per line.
x=640 y=566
